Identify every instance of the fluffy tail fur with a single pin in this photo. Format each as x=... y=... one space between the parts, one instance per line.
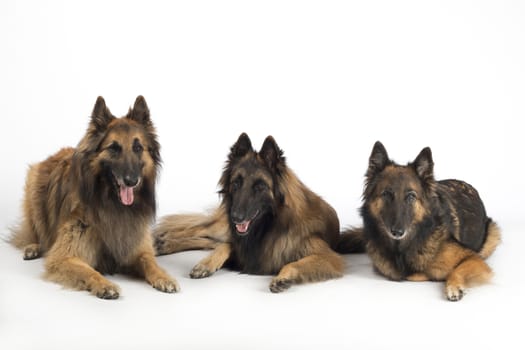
x=176 y=233
x=492 y=240
x=351 y=240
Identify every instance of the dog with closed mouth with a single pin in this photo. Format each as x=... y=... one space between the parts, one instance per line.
x=417 y=228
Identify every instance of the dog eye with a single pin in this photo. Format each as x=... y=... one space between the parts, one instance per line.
x=236 y=184
x=260 y=186
x=411 y=196
x=137 y=147
x=387 y=194
x=114 y=148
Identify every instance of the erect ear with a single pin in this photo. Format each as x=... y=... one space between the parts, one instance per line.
x=378 y=160
x=101 y=116
x=271 y=153
x=140 y=111
x=424 y=165
x=241 y=147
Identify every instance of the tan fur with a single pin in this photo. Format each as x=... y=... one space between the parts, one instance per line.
x=322 y=264
x=316 y=261
x=297 y=248
x=175 y=233
x=492 y=241
x=419 y=229
x=79 y=237
x=212 y=262
x=417 y=277
x=303 y=221
x=443 y=259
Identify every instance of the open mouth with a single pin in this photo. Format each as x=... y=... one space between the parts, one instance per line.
x=126 y=193
x=243 y=227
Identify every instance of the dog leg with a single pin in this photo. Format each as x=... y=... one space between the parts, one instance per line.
x=143 y=263
x=147 y=267
x=312 y=268
x=212 y=262
x=74 y=273
x=70 y=260
x=473 y=270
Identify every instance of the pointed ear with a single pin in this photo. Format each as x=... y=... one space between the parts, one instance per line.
x=424 y=165
x=378 y=160
x=271 y=153
x=241 y=147
x=140 y=111
x=101 y=116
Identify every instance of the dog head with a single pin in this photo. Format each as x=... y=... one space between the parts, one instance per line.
x=250 y=184
x=122 y=153
x=397 y=197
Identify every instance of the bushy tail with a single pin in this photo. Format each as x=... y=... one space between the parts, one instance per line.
x=176 y=233
x=492 y=240
x=351 y=240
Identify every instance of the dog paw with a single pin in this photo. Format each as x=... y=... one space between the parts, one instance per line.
x=31 y=252
x=106 y=292
x=279 y=285
x=166 y=285
x=201 y=271
x=454 y=293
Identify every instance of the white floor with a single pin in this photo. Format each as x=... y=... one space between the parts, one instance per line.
x=231 y=311
x=327 y=79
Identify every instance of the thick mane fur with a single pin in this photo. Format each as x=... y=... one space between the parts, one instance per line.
x=90 y=209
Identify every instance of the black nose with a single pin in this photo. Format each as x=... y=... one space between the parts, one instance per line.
x=236 y=217
x=131 y=180
x=397 y=232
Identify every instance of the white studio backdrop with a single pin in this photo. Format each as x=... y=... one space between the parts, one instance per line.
x=325 y=78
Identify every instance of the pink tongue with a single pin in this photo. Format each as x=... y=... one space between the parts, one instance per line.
x=126 y=195
x=243 y=226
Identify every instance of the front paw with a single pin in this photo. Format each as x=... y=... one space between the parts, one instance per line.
x=279 y=285
x=454 y=293
x=166 y=285
x=106 y=291
x=201 y=271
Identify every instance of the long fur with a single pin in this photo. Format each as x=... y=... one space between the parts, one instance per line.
x=416 y=228
x=293 y=235
x=75 y=215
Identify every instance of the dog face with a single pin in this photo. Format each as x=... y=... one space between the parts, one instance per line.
x=120 y=154
x=398 y=197
x=122 y=159
x=249 y=184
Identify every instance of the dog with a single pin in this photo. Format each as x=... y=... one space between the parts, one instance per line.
x=90 y=209
x=417 y=229
x=268 y=223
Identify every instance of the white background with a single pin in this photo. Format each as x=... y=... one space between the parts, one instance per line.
x=326 y=79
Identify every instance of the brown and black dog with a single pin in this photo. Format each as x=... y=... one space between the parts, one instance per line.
x=89 y=209
x=416 y=228
x=268 y=223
